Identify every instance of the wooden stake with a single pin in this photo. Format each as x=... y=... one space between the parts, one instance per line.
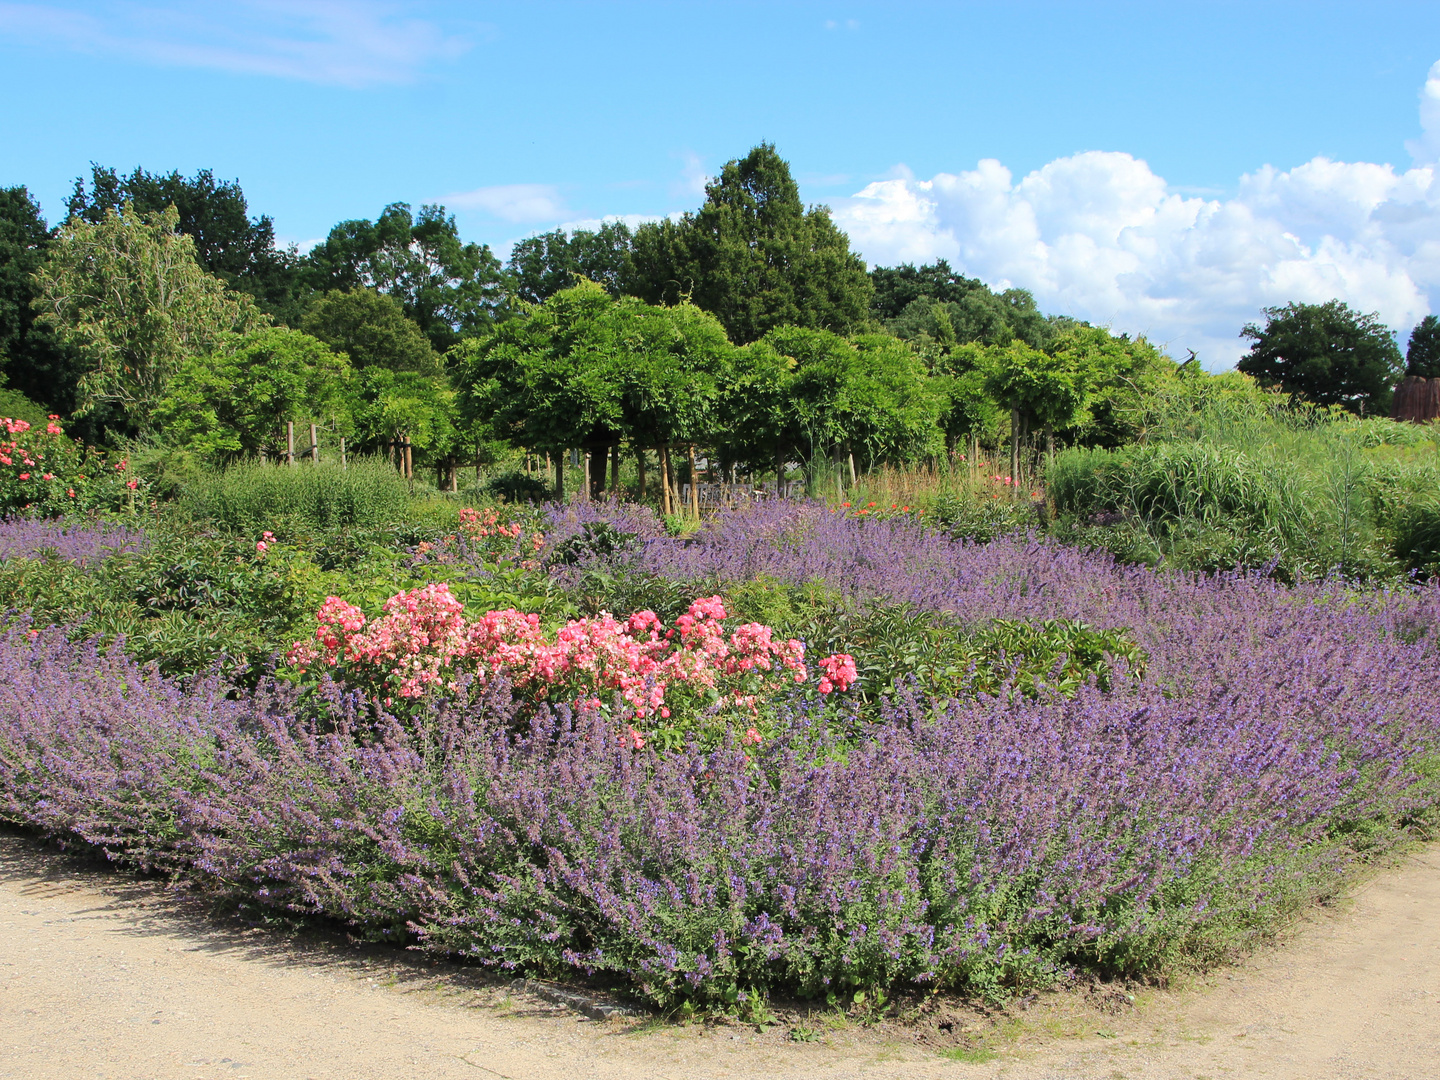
x=314 y=447
x=665 y=479
x=289 y=442
x=694 y=484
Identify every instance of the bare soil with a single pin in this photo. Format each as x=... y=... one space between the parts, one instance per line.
x=103 y=975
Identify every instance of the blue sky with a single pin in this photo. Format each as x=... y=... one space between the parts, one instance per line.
x=1166 y=169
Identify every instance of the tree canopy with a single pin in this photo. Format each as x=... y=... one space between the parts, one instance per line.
x=236 y=400
x=540 y=266
x=372 y=330
x=1422 y=354
x=754 y=256
x=449 y=288
x=1325 y=353
x=129 y=296
x=229 y=243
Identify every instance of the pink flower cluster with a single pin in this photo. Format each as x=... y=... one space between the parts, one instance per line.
x=839 y=671
x=423 y=639
x=479 y=524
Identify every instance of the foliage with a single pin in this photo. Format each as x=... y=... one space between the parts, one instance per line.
x=934 y=303
x=540 y=266
x=448 y=288
x=1422 y=353
x=128 y=295
x=32 y=362
x=238 y=249
x=372 y=330
x=585 y=369
x=249 y=498
x=1325 y=353
x=753 y=256
x=1297 y=493
x=236 y=400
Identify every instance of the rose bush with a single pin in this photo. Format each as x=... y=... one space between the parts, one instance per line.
x=664 y=679
x=45 y=474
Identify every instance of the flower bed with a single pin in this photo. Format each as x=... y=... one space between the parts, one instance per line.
x=985 y=843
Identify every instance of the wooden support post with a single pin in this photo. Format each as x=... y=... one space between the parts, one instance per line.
x=314 y=447
x=694 y=484
x=289 y=442
x=344 y=463
x=409 y=460
x=665 y=479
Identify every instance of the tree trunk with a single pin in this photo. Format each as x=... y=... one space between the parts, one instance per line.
x=666 y=480
x=409 y=460
x=694 y=484
x=1014 y=444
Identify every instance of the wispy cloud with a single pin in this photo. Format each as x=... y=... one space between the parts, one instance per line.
x=511 y=202
x=692 y=176
x=352 y=44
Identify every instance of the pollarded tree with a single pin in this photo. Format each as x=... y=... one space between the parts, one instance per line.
x=236 y=400
x=128 y=295
x=754 y=256
x=1325 y=353
x=1039 y=389
x=1422 y=355
x=870 y=397
x=587 y=370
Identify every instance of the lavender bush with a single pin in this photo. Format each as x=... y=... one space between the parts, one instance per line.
x=980 y=845
x=82 y=544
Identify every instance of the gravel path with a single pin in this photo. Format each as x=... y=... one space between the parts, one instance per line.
x=102 y=976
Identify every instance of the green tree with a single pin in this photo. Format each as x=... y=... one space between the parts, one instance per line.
x=585 y=369
x=1325 y=353
x=1120 y=375
x=869 y=399
x=754 y=256
x=128 y=295
x=1039 y=389
x=1422 y=354
x=394 y=406
x=372 y=330
x=32 y=361
x=909 y=299
x=540 y=266
x=236 y=400
x=450 y=289
x=229 y=243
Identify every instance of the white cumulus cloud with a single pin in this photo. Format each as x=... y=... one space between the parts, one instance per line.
x=1100 y=236
x=511 y=202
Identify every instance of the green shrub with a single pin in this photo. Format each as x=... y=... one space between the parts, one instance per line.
x=251 y=497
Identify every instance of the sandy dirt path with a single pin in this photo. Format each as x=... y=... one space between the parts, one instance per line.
x=103 y=976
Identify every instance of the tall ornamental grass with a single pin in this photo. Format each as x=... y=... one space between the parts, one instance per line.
x=251 y=497
x=1300 y=493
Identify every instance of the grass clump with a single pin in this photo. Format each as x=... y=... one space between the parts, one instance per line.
x=251 y=497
